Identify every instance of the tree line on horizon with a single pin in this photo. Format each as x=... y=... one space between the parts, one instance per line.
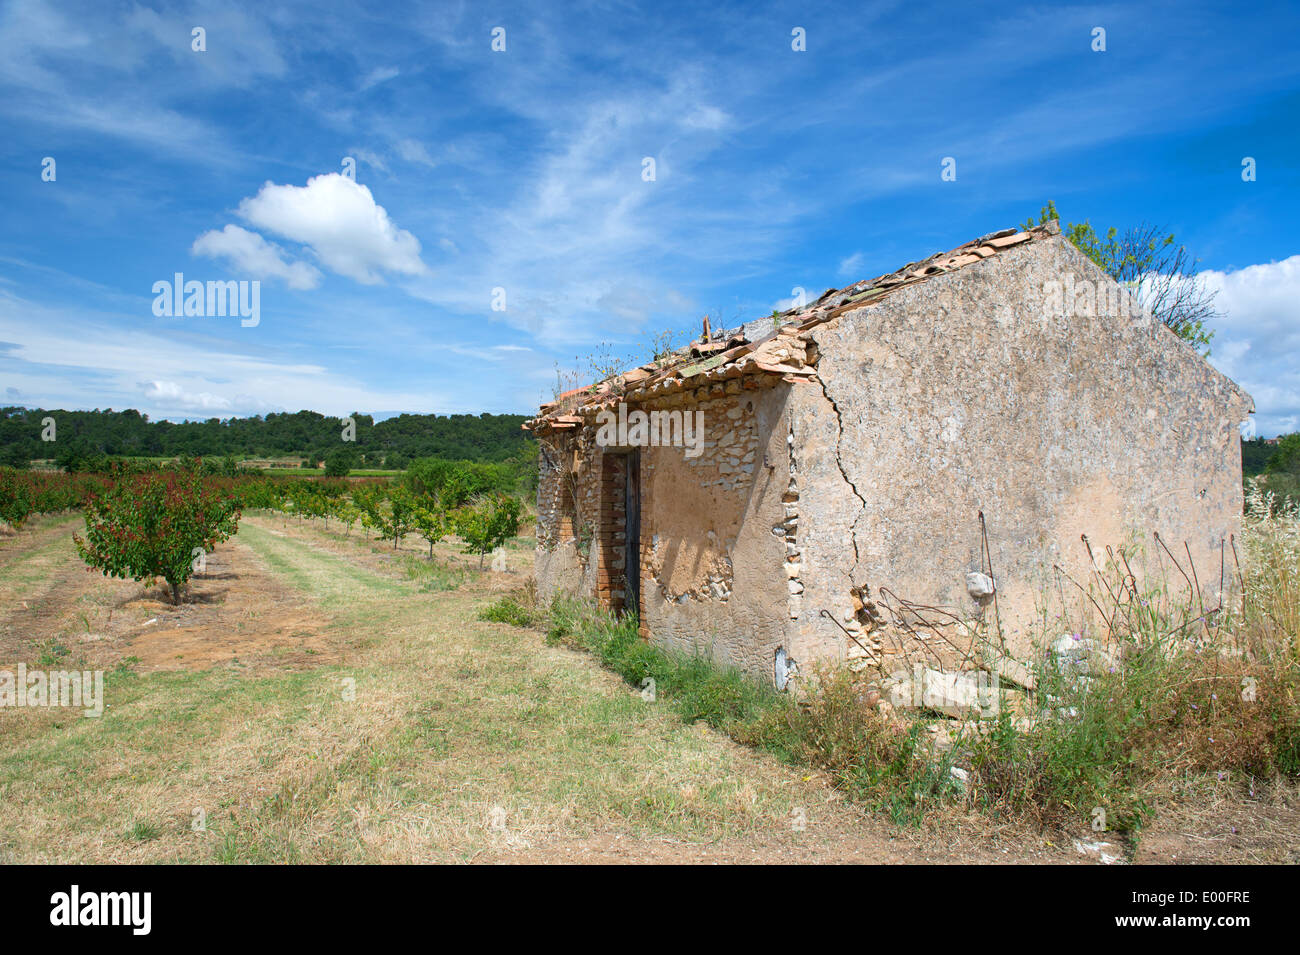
x=392 y=443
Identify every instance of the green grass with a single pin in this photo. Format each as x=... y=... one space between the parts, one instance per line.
x=314 y=571
x=509 y=609
x=901 y=773
x=434 y=575
x=397 y=752
x=696 y=687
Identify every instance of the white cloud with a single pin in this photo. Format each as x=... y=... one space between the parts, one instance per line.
x=339 y=220
x=852 y=265
x=370 y=158
x=379 y=75
x=706 y=117
x=58 y=358
x=413 y=151
x=169 y=394
x=249 y=253
x=1257 y=343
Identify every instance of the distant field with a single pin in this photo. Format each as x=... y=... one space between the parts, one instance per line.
x=278 y=466
x=355 y=472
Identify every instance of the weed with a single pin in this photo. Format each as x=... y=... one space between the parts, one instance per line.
x=141 y=831
x=435 y=576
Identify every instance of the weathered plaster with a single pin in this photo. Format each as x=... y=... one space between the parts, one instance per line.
x=714 y=518
x=962 y=394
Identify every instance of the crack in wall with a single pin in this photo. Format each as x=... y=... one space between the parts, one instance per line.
x=839 y=437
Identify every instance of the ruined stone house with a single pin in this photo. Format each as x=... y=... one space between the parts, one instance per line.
x=886 y=453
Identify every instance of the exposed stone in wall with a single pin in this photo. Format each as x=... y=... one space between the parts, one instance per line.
x=789 y=532
x=554 y=506
x=713 y=579
x=708 y=488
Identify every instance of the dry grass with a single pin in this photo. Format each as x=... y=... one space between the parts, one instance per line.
x=455 y=725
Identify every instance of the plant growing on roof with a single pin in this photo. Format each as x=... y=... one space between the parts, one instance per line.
x=604 y=364
x=664 y=344
x=1162 y=274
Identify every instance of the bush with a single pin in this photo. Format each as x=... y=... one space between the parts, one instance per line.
x=15 y=500
x=509 y=610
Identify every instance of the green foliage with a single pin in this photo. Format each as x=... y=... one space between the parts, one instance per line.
x=1152 y=264
x=86 y=437
x=150 y=524
x=455 y=483
x=509 y=609
x=426 y=514
x=15 y=500
x=339 y=462
x=486 y=523
x=1280 y=468
x=1255 y=455
x=1286 y=456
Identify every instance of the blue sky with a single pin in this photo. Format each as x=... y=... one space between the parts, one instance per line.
x=523 y=170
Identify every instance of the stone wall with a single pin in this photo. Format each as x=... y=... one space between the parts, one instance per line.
x=971 y=392
x=713 y=528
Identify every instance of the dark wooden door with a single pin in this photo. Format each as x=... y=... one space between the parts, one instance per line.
x=632 y=546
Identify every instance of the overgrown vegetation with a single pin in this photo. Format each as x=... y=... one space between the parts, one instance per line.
x=1149 y=694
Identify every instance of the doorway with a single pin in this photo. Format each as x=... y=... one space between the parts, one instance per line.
x=632 y=531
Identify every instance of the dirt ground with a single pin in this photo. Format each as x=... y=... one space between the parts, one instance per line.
x=477 y=742
x=234 y=612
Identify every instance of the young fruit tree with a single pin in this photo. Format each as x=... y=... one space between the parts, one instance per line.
x=156 y=524
x=15 y=502
x=428 y=516
x=487 y=523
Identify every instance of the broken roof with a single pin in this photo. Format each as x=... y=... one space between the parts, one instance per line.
x=779 y=352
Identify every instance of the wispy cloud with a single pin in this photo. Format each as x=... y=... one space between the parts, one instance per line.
x=526 y=171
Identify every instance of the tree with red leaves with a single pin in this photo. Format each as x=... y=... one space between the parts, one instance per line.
x=156 y=524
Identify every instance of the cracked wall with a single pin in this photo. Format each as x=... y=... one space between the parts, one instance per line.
x=966 y=393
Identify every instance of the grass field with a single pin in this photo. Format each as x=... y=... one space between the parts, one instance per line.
x=324 y=698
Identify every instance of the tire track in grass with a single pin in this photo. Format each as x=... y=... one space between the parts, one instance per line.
x=322 y=575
